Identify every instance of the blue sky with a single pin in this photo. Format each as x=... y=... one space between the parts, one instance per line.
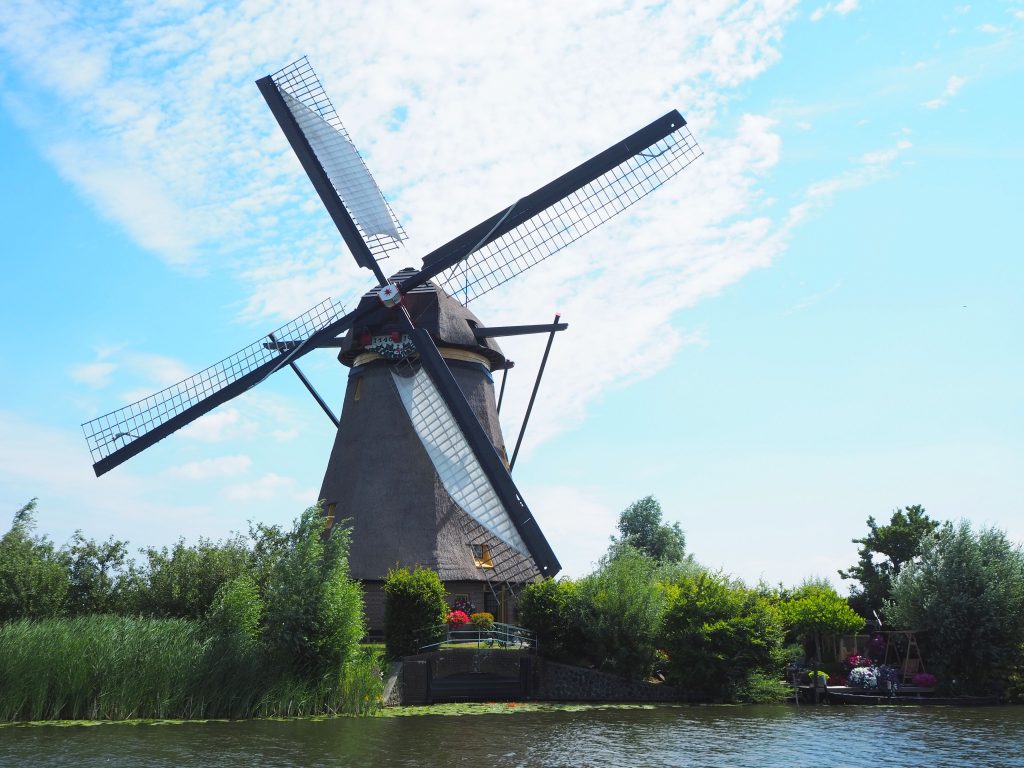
x=818 y=321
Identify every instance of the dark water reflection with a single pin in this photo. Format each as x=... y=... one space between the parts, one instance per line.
x=759 y=737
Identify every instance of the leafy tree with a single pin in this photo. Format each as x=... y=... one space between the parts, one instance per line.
x=967 y=592
x=883 y=554
x=619 y=609
x=237 y=612
x=815 y=610
x=33 y=578
x=95 y=570
x=413 y=603
x=641 y=527
x=314 y=611
x=182 y=581
x=551 y=609
x=721 y=637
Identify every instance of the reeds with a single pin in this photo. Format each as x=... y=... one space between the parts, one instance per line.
x=116 y=668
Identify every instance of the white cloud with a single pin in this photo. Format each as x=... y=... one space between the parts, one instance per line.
x=96 y=375
x=953 y=86
x=990 y=29
x=841 y=8
x=225 y=423
x=219 y=467
x=270 y=486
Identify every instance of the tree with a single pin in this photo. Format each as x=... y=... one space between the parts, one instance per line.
x=413 y=604
x=96 y=570
x=815 y=610
x=966 y=591
x=619 y=609
x=551 y=609
x=719 y=635
x=33 y=577
x=314 y=611
x=641 y=527
x=883 y=554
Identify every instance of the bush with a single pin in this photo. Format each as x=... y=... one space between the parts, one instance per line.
x=413 y=604
x=967 y=592
x=719 y=634
x=815 y=610
x=314 y=612
x=619 y=608
x=549 y=609
x=33 y=578
x=482 y=621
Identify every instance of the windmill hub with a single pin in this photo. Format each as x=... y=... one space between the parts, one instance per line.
x=390 y=296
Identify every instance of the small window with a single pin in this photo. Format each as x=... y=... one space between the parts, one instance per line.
x=329 y=515
x=482 y=556
x=358 y=395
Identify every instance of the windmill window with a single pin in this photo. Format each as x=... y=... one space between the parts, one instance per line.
x=359 y=389
x=329 y=515
x=482 y=556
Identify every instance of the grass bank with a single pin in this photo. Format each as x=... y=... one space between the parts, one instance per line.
x=121 y=668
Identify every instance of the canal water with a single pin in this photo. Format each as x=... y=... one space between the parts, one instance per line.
x=759 y=737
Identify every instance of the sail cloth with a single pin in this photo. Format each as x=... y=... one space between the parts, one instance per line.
x=346 y=170
x=452 y=456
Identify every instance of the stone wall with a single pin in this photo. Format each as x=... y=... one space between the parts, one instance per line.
x=562 y=682
x=542 y=680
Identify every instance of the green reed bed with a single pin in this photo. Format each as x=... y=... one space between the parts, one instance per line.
x=119 y=668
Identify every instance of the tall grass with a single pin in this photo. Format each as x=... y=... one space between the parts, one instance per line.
x=115 y=668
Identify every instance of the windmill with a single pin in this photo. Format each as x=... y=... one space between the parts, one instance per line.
x=419 y=463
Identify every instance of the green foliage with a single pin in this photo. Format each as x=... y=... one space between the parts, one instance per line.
x=719 y=636
x=619 y=609
x=96 y=571
x=314 y=612
x=967 y=592
x=815 y=610
x=33 y=578
x=114 y=667
x=413 y=603
x=882 y=555
x=482 y=620
x=182 y=581
x=549 y=608
x=641 y=527
x=237 y=612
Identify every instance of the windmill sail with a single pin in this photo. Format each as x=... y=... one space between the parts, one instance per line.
x=542 y=223
x=452 y=455
x=121 y=434
x=335 y=160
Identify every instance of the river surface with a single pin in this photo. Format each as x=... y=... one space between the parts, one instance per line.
x=759 y=737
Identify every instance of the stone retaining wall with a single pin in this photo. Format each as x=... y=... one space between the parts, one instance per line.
x=562 y=682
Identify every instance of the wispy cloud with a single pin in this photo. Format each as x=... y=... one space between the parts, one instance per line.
x=953 y=86
x=219 y=467
x=840 y=8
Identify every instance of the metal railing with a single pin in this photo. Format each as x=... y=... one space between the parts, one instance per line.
x=499 y=636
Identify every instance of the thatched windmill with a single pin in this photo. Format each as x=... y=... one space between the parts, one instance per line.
x=419 y=462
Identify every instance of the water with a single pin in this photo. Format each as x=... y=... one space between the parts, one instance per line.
x=761 y=737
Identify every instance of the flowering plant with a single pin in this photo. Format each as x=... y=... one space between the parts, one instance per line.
x=863 y=677
x=886 y=674
x=482 y=621
x=925 y=680
x=463 y=604
x=814 y=674
x=457 y=619
x=855 y=661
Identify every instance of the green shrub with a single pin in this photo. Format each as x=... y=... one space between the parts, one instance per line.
x=237 y=611
x=33 y=577
x=967 y=592
x=314 y=612
x=482 y=620
x=815 y=611
x=719 y=634
x=548 y=608
x=619 y=608
x=413 y=603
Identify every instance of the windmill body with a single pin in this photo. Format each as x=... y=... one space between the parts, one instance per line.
x=381 y=479
x=419 y=466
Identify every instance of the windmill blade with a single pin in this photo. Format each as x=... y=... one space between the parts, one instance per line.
x=542 y=223
x=330 y=159
x=469 y=467
x=116 y=437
